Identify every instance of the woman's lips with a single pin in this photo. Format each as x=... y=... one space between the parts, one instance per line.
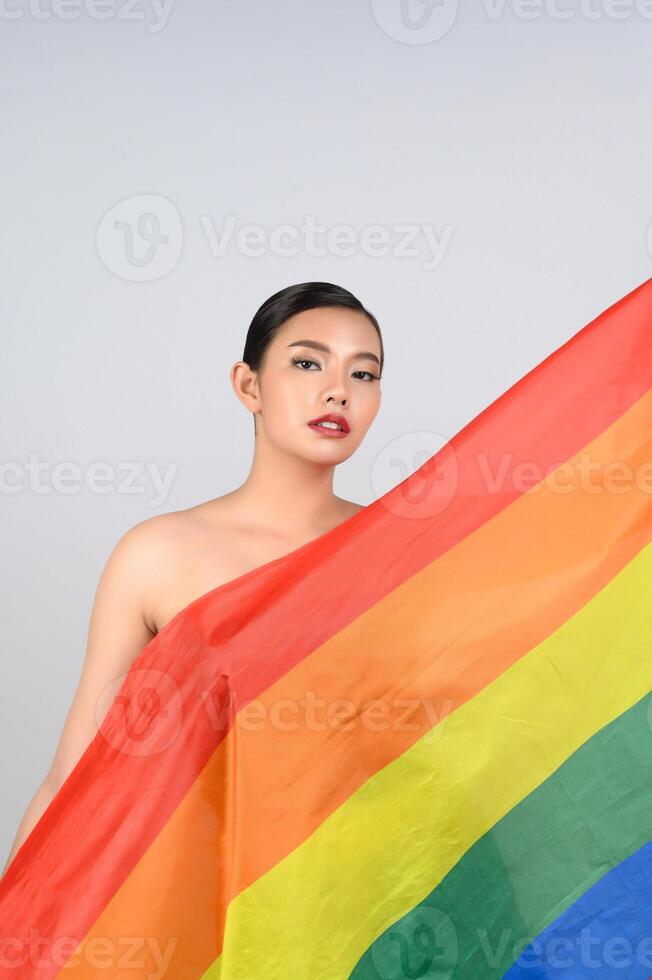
x=326 y=431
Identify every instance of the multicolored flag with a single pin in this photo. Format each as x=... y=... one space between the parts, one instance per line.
x=417 y=746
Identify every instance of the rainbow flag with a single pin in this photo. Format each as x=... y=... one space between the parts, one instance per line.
x=417 y=746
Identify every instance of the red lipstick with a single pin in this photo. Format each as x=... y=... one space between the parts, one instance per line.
x=330 y=430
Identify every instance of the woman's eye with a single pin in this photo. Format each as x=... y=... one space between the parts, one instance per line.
x=303 y=360
x=372 y=377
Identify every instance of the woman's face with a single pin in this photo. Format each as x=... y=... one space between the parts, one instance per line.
x=322 y=361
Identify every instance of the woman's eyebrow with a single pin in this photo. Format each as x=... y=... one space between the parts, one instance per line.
x=316 y=345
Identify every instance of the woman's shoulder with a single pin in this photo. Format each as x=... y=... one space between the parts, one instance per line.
x=184 y=553
x=170 y=537
x=160 y=533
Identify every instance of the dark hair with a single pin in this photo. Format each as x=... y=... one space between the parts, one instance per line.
x=295 y=299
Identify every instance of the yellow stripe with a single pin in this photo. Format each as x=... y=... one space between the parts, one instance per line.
x=318 y=910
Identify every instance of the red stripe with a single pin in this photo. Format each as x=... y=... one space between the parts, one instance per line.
x=236 y=640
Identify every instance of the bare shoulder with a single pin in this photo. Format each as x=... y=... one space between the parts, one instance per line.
x=155 y=554
x=155 y=537
x=183 y=554
x=145 y=545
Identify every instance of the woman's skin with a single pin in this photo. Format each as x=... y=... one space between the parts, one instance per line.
x=165 y=562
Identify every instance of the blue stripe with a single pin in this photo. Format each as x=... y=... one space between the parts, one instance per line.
x=605 y=935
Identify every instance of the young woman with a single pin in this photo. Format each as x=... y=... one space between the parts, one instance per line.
x=310 y=375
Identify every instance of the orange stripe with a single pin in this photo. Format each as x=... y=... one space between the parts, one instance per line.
x=555 y=548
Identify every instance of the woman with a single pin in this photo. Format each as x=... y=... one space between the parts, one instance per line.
x=310 y=375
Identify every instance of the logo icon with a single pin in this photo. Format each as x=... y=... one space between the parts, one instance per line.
x=140 y=239
x=140 y=712
x=425 y=466
x=421 y=944
x=415 y=21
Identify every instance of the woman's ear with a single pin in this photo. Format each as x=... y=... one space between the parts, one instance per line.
x=244 y=382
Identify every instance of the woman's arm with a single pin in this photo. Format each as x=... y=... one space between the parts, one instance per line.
x=118 y=630
x=35 y=809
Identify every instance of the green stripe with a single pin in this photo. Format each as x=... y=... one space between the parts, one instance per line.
x=590 y=814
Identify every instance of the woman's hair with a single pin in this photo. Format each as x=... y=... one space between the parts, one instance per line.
x=295 y=299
